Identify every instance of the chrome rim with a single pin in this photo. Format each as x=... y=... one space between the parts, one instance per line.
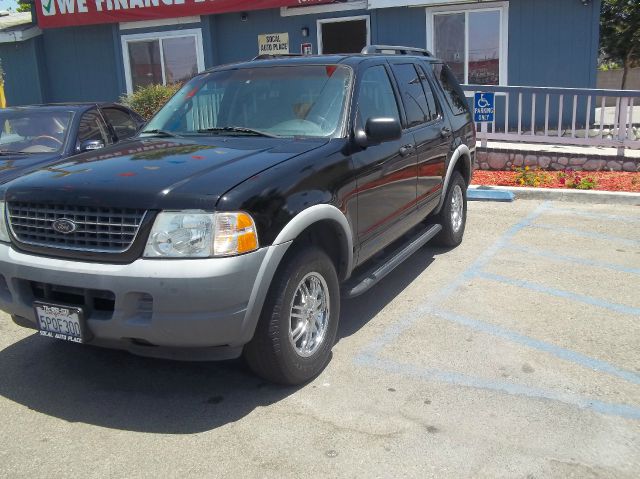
x=309 y=318
x=457 y=208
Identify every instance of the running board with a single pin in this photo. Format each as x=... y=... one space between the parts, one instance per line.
x=362 y=283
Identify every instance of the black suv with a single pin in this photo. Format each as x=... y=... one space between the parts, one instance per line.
x=231 y=224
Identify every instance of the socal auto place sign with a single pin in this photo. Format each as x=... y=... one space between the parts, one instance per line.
x=67 y=13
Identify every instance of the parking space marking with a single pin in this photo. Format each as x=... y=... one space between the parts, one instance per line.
x=586 y=234
x=561 y=293
x=557 y=351
x=515 y=389
x=573 y=259
x=598 y=216
x=370 y=355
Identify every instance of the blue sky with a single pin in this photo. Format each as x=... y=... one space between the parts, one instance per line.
x=5 y=4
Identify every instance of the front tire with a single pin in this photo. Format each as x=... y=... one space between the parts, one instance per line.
x=299 y=321
x=453 y=216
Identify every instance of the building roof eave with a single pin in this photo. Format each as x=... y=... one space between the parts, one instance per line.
x=19 y=35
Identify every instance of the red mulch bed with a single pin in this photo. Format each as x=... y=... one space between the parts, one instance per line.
x=605 y=180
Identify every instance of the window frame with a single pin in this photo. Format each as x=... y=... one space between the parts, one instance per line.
x=108 y=139
x=110 y=124
x=160 y=36
x=502 y=7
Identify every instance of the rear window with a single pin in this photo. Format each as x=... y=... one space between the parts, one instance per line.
x=452 y=91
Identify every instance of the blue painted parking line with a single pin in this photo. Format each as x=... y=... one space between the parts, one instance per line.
x=597 y=216
x=370 y=354
x=562 y=353
x=397 y=328
x=561 y=293
x=458 y=379
x=587 y=234
x=543 y=253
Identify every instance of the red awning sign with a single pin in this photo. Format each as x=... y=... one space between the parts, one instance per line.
x=67 y=13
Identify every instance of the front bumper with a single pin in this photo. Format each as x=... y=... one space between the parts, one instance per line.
x=181 y=309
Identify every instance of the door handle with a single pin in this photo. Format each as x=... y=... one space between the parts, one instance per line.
x=406 y=150
x=445 y=132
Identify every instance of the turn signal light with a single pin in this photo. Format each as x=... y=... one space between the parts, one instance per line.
x=235 y=233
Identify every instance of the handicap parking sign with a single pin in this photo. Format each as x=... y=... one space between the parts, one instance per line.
x=484 y=107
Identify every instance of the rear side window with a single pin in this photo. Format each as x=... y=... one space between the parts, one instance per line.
x=453 y=92
x=376 y=98
x=432 y=101
x=413 y=95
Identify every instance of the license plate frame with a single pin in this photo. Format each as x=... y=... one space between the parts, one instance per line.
x=59 y=321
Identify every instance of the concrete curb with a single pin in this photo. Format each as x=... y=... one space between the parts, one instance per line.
x=574 y=196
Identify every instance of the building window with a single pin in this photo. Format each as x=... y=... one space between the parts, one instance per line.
x=472 y=40
x=161 y=58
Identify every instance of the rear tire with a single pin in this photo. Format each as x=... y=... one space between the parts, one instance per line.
x=453 y=216
x=304 y=299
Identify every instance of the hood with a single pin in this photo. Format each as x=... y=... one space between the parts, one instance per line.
x=156 y=173
x=15 y=165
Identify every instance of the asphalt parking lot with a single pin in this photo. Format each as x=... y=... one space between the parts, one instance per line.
x=515 y=355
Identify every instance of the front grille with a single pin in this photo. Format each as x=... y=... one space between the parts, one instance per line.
x=104 y=230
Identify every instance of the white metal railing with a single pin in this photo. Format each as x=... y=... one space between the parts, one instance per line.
x=570 y=116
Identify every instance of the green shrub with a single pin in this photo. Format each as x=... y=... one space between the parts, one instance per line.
x=147 y=100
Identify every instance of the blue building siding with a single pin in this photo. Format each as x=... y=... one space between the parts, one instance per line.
x=400 y=26
x=234 y=40
x=551 y=43
x=22 y=66
x=81 y=63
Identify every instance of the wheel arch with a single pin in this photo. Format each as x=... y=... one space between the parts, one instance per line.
x=460 y=161
x=327 y=226
x=318 y=218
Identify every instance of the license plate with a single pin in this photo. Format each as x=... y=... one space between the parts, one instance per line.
x=60 y=322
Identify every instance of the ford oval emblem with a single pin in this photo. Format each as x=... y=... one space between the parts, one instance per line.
x=64 y=226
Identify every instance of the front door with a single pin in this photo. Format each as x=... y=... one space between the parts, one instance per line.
x=386 y=173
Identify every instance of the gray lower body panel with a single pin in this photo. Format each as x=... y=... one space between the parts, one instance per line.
x=178 y=309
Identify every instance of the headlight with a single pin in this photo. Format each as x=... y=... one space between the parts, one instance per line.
x=4 y=234
x=198 y=234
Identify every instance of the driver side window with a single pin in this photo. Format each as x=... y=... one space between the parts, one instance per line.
x=93 y=128
x=376 y=98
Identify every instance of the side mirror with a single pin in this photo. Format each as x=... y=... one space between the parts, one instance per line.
x=91 y=145
x=379 y=130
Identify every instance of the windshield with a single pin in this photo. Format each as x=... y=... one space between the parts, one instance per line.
x=25 y=131
x=289 y=101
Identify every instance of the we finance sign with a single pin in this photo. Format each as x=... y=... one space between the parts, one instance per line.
x=67 y=13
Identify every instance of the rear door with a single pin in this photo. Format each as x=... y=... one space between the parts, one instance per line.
x=386 y=173
x=427 y=124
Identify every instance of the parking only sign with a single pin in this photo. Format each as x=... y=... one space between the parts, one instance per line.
x=484 y=107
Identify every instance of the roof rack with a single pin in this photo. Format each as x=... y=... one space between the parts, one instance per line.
x=395 y=50
x=270 y=56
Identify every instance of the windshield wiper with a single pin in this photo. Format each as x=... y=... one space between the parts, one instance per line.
x=13 y=153
x=236 y=129
x=162 y=133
